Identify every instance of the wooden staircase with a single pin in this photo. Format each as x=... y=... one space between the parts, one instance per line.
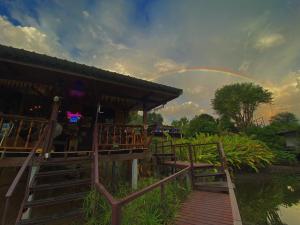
x=56 y=192
x=205 y=176
x=212 y=179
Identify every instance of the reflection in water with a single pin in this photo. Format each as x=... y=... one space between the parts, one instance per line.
x=266 y=199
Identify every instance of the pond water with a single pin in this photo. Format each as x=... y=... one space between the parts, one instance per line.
x=269 y=199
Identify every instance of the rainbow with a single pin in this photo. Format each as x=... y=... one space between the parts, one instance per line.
x=220 y=70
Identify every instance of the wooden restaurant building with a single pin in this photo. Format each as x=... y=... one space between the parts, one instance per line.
x=29 y=82
x=50 y=110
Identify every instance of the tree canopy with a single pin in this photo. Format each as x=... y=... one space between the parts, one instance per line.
x=203 y=123
x=239 y=101
x=284 y=119
x=182 y=124
x=153 y=118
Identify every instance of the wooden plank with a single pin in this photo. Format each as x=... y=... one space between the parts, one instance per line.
x=12 y=162
x=205 y=208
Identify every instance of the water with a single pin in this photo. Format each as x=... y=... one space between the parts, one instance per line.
x=269 y=199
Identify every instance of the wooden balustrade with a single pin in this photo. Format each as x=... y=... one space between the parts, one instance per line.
x=20 y=133
x=120 y=136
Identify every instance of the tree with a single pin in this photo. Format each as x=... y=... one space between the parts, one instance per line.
x=284 y=119
x=152 y=118
x=203 y=123
x=155 y=119
x=182 y=124
x=239 y=101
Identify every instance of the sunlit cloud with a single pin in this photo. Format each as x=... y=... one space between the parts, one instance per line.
x=29 y=38
x=269 y=41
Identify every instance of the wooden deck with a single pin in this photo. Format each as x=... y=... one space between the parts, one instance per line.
x=205 y=208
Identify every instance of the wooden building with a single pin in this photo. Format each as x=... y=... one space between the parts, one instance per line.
x=29 y=82
x=56 y=112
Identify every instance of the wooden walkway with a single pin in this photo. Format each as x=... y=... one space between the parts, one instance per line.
x=205 y=208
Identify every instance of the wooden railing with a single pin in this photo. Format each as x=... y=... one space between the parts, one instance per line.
x=120 y=137
x=117 y=204
x=28 y=163
x=190 y=150
x=20 y=133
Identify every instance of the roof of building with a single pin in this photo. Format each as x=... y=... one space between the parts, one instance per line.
x=24 y=58
x=289 y=132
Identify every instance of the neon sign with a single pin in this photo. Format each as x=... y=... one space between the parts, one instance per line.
x=74 y=117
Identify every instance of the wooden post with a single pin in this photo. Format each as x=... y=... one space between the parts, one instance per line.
x=145 y=123
x=116 y=214
x=53 y=120
x=134 y=174
x=191 y=163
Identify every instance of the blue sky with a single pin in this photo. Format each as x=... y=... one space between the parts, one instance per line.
x=169 y=41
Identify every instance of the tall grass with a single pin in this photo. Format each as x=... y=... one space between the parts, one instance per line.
x=145 y=210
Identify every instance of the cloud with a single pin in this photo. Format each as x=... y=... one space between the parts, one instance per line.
x=28 y=38
x=174 y=110
x=269 y=41
x=167 y=65
x=152 y=41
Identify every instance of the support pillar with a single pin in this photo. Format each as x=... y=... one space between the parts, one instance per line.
x=145 y=124
x=134 y=174
x=27 y=214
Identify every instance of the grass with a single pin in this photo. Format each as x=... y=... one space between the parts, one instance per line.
x=146 y=210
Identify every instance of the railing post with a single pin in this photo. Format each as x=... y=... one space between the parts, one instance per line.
x=222 y=155
x=53 y=120
x=5 y=211
x=116 y=214
x=191 y=163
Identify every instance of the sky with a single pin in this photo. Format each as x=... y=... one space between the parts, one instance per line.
x=196 y=45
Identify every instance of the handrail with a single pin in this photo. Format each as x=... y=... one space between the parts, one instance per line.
x=26 y=118
x=116 y=204
x=24 y=166
x=137 y=194
x=187 y=144
x=234 y=205
x=20 y=173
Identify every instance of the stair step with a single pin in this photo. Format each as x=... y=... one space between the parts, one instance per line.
x=63 y=161
x=209 y=175
x=63 y=184
x=212 y=186
x=59 y=172
x=56 y=200
x=50 y=219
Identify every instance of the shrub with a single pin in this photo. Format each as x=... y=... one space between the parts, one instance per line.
x=147 y=209
x=240 y=150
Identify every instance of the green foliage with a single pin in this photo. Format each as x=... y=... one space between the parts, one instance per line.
x=155 y=118
x=285 y=157
x=203 y=123
x=268 y=135
x=182 y=124
x=135 y=118
x=152 y=118
x=284 y=121
x=239 y=101
x=241 y=151
x=96 y=209
x=147 y=209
